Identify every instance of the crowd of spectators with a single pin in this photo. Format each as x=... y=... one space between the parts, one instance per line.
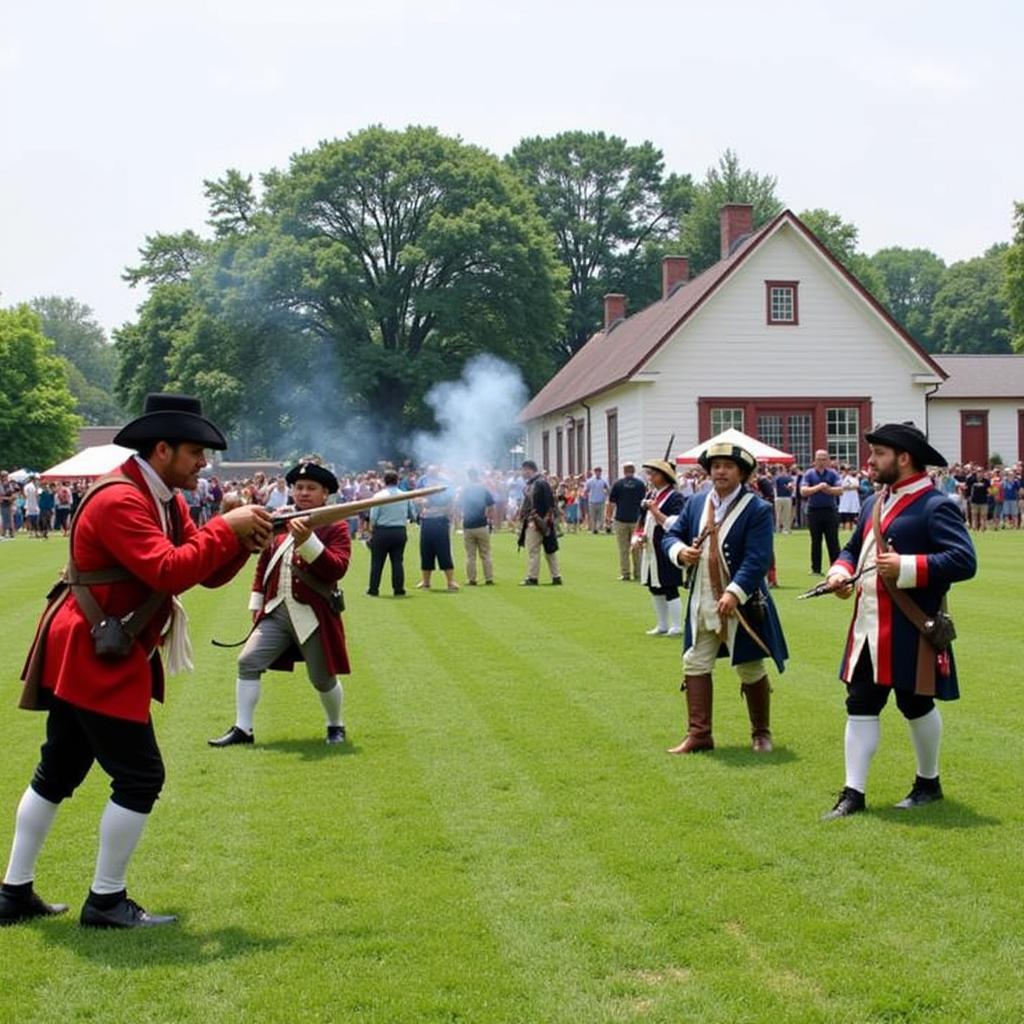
x=988 y=497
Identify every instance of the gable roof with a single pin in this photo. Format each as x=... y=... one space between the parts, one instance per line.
x=612 y=357
x=982 y=376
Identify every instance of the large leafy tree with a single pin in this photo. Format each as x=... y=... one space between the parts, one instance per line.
x=1014 y=283
x=371 y=268
x=91 y=362
x=912 y=279
x=969 y=312
x=613 y=212
x=38 y=425
x=728 y=182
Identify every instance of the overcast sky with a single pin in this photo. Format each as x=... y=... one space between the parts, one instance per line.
x=905 y=117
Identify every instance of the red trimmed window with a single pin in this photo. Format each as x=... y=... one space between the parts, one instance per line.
x=781 y=302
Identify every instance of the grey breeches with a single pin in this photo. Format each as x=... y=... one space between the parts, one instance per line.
x=271 y=638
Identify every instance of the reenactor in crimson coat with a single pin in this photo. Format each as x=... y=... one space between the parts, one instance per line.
x=96 y=664
x=296 y=609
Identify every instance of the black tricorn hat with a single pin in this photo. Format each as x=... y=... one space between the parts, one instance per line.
x=315 y=472
x=905 y=437
x=169 y=417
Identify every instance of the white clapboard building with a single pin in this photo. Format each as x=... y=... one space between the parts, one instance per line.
x=776 y=339
x=978 y=412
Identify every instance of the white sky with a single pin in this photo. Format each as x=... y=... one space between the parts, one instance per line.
x=905 y=117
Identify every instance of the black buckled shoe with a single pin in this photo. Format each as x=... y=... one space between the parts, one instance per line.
x=22 y=903
x=125 y=913
x=851 y=801
x=336 y=734
x=924 y=791
x=233 y=736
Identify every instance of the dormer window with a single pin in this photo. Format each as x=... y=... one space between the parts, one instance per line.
x=781 y=299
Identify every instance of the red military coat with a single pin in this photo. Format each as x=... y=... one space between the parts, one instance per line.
x=121 y=527
x=329 y=566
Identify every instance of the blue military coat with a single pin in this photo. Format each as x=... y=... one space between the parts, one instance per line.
x=927 y=529
x=747 y=551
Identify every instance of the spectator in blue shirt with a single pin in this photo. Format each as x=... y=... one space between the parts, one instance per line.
x=388 y=538
x=821 y=487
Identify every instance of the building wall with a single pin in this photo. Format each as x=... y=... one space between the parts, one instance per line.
x=839 y=349
x=1004 y=416
x=625 y=401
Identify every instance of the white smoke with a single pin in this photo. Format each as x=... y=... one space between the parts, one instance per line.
x=476 y=417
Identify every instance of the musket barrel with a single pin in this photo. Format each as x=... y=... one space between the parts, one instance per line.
x=323 y=514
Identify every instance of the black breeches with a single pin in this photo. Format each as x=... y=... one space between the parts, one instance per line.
x=126 y=751
x=865 y=697
x=669 y=593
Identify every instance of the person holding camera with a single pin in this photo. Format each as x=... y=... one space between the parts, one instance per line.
x=909 y=546
x=95 y=664
x=724 y=539
x=296 y=609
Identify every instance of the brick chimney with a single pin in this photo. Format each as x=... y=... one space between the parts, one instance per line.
x=614 y=308
x=737 y=220
x=674 y=270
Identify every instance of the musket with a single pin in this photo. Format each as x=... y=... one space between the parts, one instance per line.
x=824 y=588
x=668 y=447
x=324 y=514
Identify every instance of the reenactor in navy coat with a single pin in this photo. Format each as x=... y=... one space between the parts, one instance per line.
x=909 y=546
x=662 y=577
x=724 y=538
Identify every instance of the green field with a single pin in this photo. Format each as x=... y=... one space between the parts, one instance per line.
x=505 y=839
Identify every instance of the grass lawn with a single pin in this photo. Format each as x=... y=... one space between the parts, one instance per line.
x=505 y=839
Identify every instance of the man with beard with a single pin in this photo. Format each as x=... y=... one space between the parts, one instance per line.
x=95 y=664
x=910 y=544
x=725 y=537
x=296 y=609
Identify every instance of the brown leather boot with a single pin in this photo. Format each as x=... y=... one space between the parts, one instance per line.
x=698 y=705
x=758 y=696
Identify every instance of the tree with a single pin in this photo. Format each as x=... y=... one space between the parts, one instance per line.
x=91 y=360
x=38 y=425
x=969 y=313
x=912 y=279
x=726 y=183
x=611 y=209
x=370 y=269
x=406 y=253
x=1014 y=283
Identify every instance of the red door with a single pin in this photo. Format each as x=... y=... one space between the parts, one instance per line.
x=974 y=436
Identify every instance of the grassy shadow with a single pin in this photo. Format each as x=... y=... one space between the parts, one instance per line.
x=309 y=749
x=172 y=945
x=948 y=814
x=744 y=757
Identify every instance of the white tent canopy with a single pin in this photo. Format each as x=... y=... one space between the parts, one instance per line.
x=89 y=463
x=761 y=451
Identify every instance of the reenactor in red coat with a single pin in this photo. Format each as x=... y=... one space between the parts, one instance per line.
x=95 y=664
x=296 y=609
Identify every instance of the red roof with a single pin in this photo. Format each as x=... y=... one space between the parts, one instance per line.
x=612 y=357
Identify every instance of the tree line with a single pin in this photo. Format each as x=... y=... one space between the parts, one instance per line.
x=331 y=295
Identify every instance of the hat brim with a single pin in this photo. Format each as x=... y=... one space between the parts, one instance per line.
x=171 y=425
x=665 y=468
x=744 y=459
x=923 y=452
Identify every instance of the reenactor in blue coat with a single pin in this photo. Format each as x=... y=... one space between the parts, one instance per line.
x=724 y=540
x=909 y=546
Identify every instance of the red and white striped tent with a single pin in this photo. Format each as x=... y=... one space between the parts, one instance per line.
x=761 y=451
x=89 y=463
